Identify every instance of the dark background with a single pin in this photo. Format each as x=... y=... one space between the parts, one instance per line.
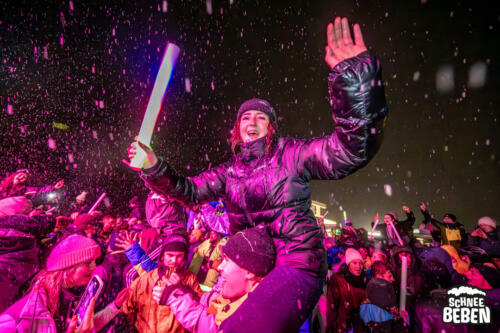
x=91 y=67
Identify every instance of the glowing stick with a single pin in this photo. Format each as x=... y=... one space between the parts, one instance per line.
x=397 y=234
x=374 y=227
x=155 y=101
x=97 y=203
x=345 y=216
x=402 y=295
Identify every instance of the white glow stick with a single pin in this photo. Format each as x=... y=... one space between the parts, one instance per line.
x=97 y=203
x=397 y=234
x=374 y=227
x=155 y=101
x=402 y=295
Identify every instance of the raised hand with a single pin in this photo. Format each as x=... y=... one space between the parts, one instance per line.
x=59 y=184
x=423 y=207
x=150 y=159
x=406 y=209
x=124 y=241
x=340 y=44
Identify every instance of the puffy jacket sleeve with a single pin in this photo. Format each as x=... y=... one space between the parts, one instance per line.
x=358 y=103
x=191 y=313
x=207 y=186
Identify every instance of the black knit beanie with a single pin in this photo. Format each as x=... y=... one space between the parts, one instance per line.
x=252 y=249
x=257 y=104
x=175 y=242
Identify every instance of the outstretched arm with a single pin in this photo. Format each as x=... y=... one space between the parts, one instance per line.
x=358 y=103
x=164 y=180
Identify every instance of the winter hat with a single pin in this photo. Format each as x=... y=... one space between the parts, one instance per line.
x=459 y=265
x=491 y=275
x=257 y=104
x=176 y=241
x=451 y=216
x=15 y=205
x=393 y=214
x=381 y=293
x=84 y=221
x=486 y=220
x=72 y=251
x=252 y=249
x=352 y=254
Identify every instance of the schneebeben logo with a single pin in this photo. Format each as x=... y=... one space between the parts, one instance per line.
x=466 y=306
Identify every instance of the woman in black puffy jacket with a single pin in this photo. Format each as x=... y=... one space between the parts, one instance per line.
x=267 y=181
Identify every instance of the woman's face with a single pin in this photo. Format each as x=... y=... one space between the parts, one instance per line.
x=356 y=267
x=253 y=125
x=80 y=274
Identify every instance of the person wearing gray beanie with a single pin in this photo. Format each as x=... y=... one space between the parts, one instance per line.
x=267 y=181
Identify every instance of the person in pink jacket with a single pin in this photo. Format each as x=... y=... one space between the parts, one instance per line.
x=247 y=257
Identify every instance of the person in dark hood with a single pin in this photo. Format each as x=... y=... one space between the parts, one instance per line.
x=268 y=179
x=452 y=232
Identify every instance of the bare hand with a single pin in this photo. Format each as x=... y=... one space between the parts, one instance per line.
x=124 y=241
x=406 y=209
x=340 y=45
x=59 y=184
x=87 y=325
x=157 y=292
x=172 y=280
x=150 y=159
x=479 y=233
x=423 y=207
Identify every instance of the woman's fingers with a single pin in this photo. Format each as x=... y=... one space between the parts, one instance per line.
x=338 y=31
x=346 y=32
x=358 y=36
x=330 y=36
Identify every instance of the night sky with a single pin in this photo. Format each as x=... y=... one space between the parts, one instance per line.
x=91 y=67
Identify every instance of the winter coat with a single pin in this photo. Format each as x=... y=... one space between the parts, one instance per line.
x=404 y=228
x=343 y=302
x=147 y=315
x=162 y=212
x=203 y=316
x=451 y=233
x=29 y=314
x=378 y=320
x=19 y=253
x=491 y=244
x=272 y=187
x=429 y=315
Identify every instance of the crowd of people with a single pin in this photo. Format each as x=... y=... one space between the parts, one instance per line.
x=237 y=248
x=165 y=270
